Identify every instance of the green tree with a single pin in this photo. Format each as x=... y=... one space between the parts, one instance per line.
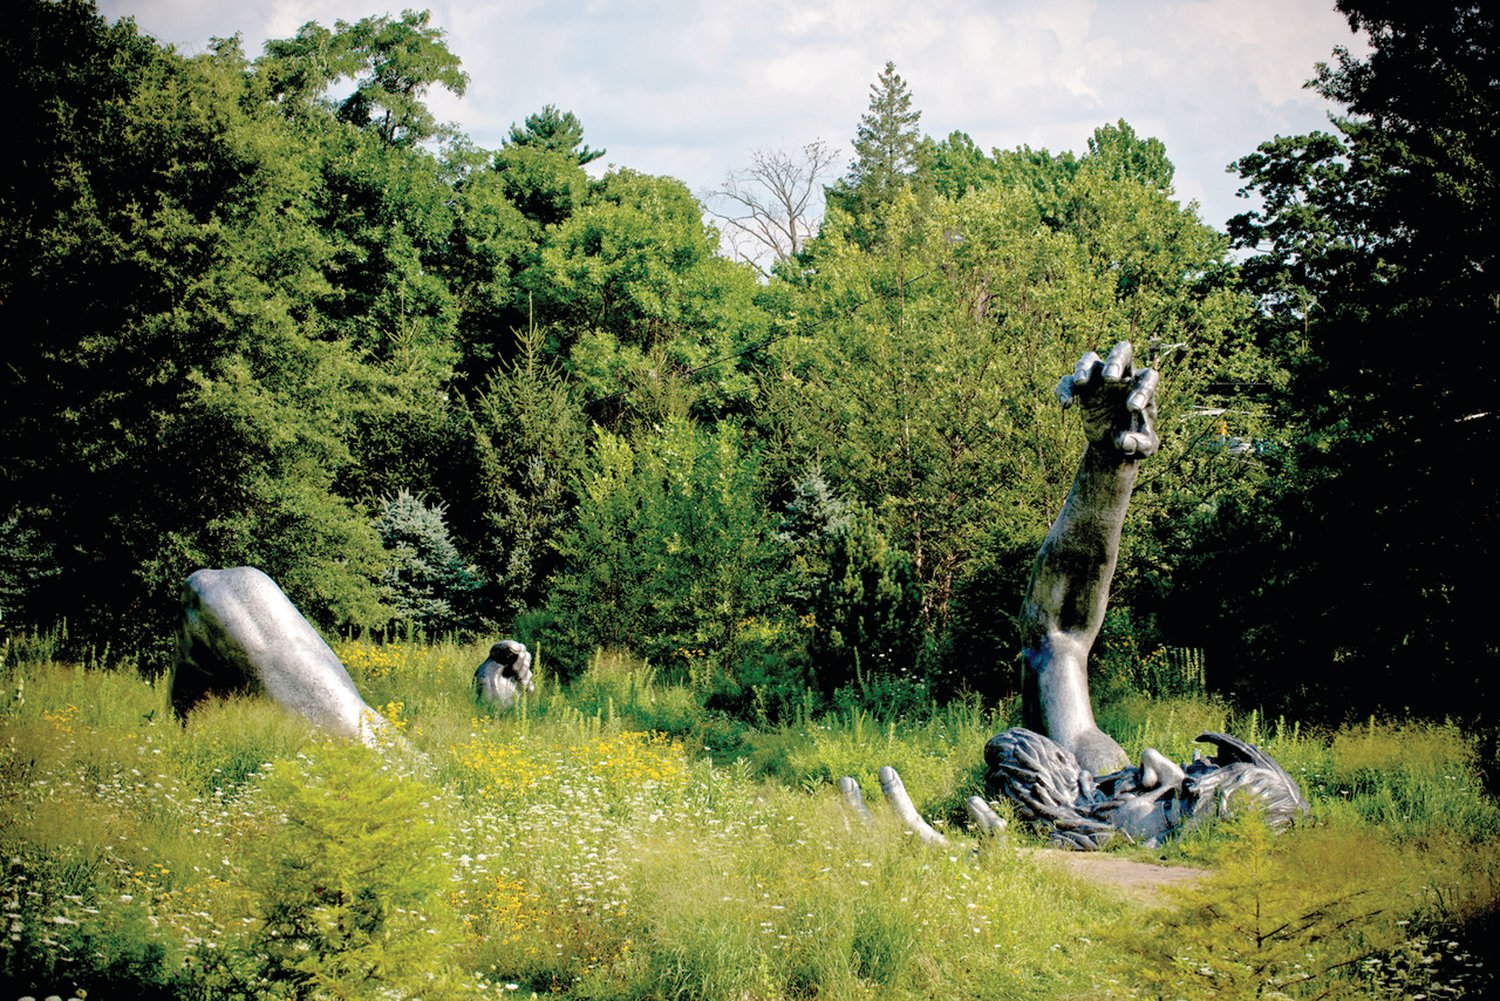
x=649 y=316
x=554 y=131
x=546 y=185
x=919 y=374
x=866 y=610
x=673 y=555
x=1117 y=152
x=165 y=410
x=349 y=881
x=617 y=262
x=858 y=596
x=491 y=244
x=247 y=312
x=392 y=64
x=530 y=442
x=886 y=142
x=956 y=165
x=887 y=146
x=1354 y=567
x=426 y=581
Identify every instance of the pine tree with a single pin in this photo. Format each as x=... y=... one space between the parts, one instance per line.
x=887 y=145
x=426 y=581
x=887 y=139
x=555 y=131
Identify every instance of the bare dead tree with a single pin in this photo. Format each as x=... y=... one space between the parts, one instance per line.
x=771 y=207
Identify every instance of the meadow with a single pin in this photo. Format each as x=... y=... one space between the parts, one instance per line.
x=615 y=839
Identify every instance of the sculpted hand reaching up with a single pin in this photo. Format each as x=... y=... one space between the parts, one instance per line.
x=1118 y=401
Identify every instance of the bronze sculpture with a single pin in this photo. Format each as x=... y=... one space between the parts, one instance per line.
x=1063 y=773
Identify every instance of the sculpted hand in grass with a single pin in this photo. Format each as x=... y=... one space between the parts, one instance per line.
x=504 y=674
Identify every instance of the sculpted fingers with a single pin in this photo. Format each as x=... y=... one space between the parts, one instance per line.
x=1143 y=393
x=1082 y=375
x=1138 y=443
x=1064 y=391
x=1140 y=439
x=1117 y=365
x=1084 y=371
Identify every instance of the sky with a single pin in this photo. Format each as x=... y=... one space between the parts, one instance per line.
x=690 y=89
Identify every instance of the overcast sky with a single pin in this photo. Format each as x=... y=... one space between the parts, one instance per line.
x=689 y=88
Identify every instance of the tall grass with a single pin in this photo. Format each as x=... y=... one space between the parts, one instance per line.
x=615 y=839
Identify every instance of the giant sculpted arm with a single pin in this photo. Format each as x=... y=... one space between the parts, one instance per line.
x=1069 y=588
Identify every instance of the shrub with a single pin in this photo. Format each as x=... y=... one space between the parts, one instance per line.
x=859 y=593
x=348 y=880
x=1281 y=916
x=672 y=555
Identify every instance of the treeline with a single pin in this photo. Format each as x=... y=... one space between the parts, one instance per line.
x=269 y=311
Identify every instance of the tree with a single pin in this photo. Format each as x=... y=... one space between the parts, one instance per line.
x=866 y=610
x=886 y=142
x=165 y=408
x=545 y=185
x=393 y=63
x=630 y=288
x=770 y=206
x=673 y=555
x=956 y=166
x=530 y=442
x=1375 y=268
x=886 y=146
x=556 y=132
x=425 y=581
x=349 y=884
x=1117 y=152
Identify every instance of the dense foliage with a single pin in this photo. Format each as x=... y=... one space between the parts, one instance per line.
x=269 y=311
x=1356 y=576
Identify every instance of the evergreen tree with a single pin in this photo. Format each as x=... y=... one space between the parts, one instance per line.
x=887 y=138
x=426 y=582
x=866 y=609
x=887 y=147
x=556 y=132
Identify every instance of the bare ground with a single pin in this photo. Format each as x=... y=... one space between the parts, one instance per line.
x=1142 y=882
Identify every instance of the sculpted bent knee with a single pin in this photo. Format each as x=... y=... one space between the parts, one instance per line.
x=239 y=632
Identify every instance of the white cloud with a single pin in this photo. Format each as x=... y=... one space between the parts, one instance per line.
x=689 y=87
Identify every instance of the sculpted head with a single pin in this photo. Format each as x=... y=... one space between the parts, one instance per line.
x=506 y=672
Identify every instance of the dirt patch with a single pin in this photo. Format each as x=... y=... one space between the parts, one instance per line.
x=1142 y=882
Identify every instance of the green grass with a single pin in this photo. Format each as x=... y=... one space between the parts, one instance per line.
x=617 y=840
